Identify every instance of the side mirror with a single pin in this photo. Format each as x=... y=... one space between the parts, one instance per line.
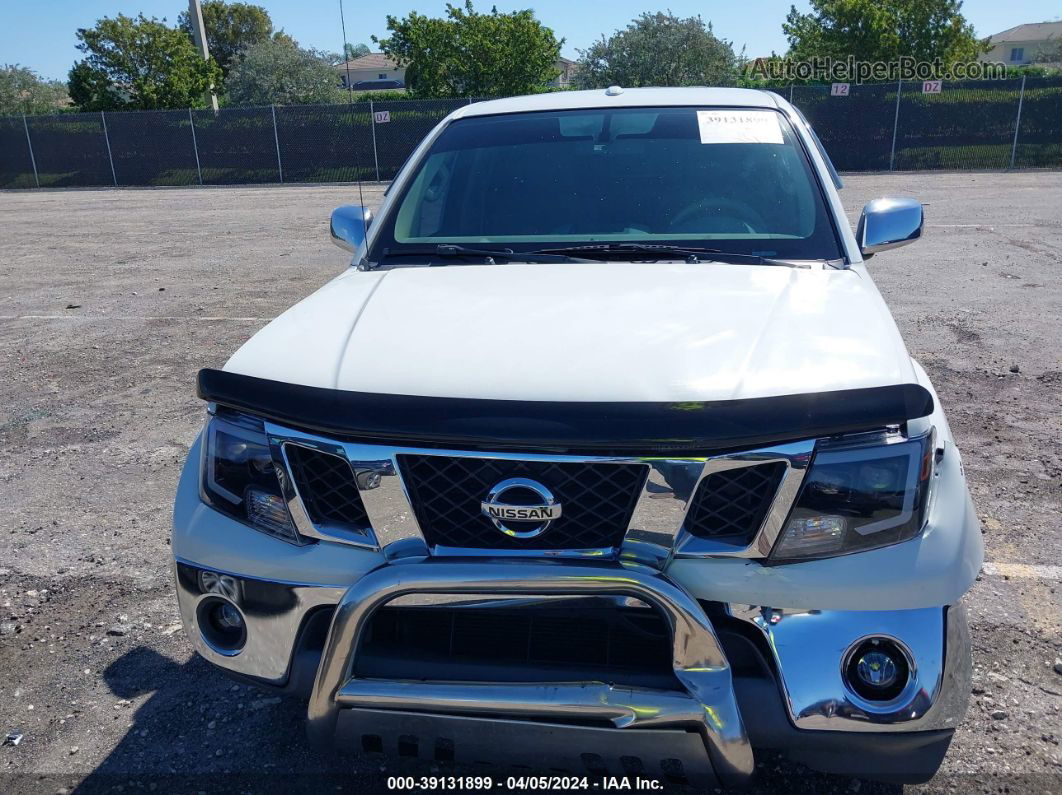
x=348 y=226
x=888 y=223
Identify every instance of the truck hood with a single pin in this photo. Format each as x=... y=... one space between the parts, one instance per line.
x=586 y=332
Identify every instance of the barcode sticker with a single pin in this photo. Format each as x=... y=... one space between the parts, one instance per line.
x=739 y=127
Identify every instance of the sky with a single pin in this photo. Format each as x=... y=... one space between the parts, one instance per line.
x=39 y=34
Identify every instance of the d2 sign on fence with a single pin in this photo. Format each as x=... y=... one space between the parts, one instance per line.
x=932 y=86
x=839 y=89
x=381 y=116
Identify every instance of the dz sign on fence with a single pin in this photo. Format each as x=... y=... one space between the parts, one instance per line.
x=381 y=116
x=839 y=90
x=932 y=86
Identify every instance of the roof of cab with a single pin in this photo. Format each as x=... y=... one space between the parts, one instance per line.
x=628 y=98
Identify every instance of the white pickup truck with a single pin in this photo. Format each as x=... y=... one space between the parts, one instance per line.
x=605 y=455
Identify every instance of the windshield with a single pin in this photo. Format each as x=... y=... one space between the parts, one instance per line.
x=733 y=180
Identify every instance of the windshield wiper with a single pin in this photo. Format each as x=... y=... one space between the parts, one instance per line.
x=691 y=254
x=451 y=250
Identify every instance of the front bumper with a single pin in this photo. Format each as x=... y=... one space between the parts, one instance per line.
x=305 y=638
x=305 y=608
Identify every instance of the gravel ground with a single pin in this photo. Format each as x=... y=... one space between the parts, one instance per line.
x=112 y=300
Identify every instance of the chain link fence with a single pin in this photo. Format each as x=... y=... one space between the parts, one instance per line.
x=898 y=126
x=967 y=125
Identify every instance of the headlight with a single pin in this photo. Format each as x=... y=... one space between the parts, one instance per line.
x=239 y=478
x=858 y=498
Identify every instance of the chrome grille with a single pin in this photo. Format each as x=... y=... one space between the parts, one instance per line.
x=404 y=500
x=327 y=486
x=731 y=504
x=446 y=492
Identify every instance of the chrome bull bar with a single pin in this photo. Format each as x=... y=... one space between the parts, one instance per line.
x=708 y=704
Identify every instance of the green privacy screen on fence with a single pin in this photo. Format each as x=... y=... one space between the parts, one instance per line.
x=874 y=128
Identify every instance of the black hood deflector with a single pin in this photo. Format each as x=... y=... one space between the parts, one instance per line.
x=555 y=426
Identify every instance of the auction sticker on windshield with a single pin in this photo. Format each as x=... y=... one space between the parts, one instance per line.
x=739 y=127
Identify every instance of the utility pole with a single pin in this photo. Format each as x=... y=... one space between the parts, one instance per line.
x=195 y=16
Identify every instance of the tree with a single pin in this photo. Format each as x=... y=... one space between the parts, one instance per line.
x=275 y=73
x=658 y=50
x=883 y=30
x=1049 y=53
x=352 y=51
x=24 y=91
x=231 y=28
x=138 y=64
x=473 y=54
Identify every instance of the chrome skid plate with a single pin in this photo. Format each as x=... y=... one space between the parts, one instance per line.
x=705 y=709
x=668 y=755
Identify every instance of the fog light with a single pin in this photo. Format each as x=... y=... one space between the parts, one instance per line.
x=228 y=618
x=877 y=669
x=222 y=625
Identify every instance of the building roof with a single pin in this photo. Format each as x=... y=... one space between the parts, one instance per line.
x=377 y=60
x=374 y=60
x=1031 y=31
x=630 y=98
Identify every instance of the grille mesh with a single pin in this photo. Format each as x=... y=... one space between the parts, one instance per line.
x=446 y=491
x=327 y=487
x=611 y=638
x=732 y=504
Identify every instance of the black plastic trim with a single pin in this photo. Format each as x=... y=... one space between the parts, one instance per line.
x=598 y=427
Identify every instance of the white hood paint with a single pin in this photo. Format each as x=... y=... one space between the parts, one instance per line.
x=586 y=332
